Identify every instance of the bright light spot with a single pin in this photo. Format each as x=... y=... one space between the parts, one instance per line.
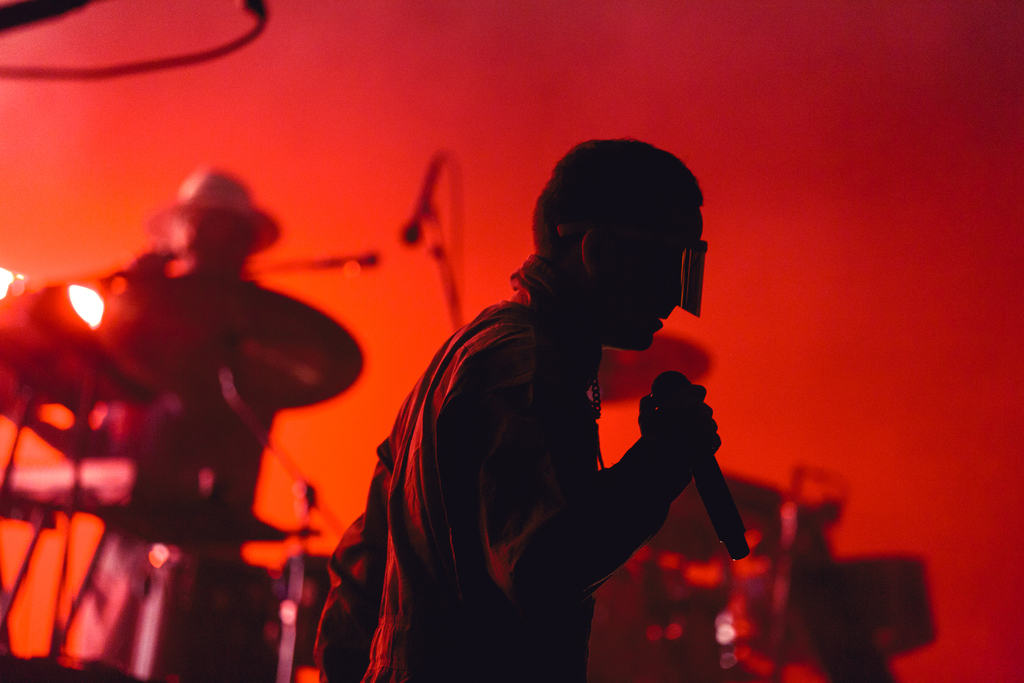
x=56 y=415
x=289 y=611
x=654 y=632
x=87 y=304
x=6 y=278
x=727 y=660
x=673 y=631
x=725 y=634
x=159 y=554
x=788 y=511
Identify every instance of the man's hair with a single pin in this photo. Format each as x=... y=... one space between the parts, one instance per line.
x=626 y=182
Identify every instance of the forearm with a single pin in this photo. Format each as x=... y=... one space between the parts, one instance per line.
x=580 y=547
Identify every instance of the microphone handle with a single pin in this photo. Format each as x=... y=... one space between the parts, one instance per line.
x=711 y=486
x=713 y=490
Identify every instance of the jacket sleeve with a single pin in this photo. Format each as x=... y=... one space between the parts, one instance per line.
x=349 y=619
x=551 y=530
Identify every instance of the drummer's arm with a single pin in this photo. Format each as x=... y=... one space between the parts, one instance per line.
x=357 y=582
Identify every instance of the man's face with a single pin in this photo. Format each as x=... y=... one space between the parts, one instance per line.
x=636 y=281
x=220 y=240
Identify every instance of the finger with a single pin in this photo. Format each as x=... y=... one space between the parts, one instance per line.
x=689 y=393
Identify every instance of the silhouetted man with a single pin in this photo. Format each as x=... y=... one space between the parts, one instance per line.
x=490 y=520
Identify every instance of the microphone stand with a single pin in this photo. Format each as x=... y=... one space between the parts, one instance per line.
x=425 y=216
x=451 y=289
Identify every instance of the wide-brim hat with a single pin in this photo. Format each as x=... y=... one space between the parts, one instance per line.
x=209 y=189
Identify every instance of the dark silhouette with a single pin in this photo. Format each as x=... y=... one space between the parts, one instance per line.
x=490 y=521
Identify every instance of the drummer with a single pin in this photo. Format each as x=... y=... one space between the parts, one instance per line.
x=212 y=227
x=174 y=318
x=174 y=321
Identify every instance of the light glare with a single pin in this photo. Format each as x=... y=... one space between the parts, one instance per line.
x=6 y=278
x=87 y=304
x=158 y=554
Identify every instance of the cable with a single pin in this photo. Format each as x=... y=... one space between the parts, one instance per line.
x=31 y=11
x=254 y=7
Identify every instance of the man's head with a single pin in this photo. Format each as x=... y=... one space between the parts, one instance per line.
x=213 y=225
x=623 y=182
x=620 y=216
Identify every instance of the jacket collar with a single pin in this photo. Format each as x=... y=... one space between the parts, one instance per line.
x=542 y=289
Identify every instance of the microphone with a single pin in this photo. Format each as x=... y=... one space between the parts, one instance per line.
x=710 y=482
x=412 y=232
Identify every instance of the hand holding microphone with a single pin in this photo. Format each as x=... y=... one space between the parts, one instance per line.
x=675 y=415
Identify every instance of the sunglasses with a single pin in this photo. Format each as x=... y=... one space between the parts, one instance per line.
x=691 y=274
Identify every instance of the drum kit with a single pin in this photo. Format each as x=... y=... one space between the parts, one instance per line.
x=170 y=385
x=789 y=612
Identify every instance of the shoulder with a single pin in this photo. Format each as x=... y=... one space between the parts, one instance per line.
x=502 y=348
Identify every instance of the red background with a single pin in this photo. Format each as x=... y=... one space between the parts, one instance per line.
x=861 y=163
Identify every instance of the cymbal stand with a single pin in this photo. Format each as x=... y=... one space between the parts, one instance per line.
x=305 y=501
x=289 y=608
x=262 y=434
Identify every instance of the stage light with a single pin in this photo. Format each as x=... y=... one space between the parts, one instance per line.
x=6 y=278
x=88 y=304
x=10 y=282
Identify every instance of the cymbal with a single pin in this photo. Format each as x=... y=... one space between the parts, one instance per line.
x=175 y=334
x=47 y=346
x=627 y=375
x=290 y=354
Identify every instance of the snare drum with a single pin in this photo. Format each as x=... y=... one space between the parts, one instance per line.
x=156 y=612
